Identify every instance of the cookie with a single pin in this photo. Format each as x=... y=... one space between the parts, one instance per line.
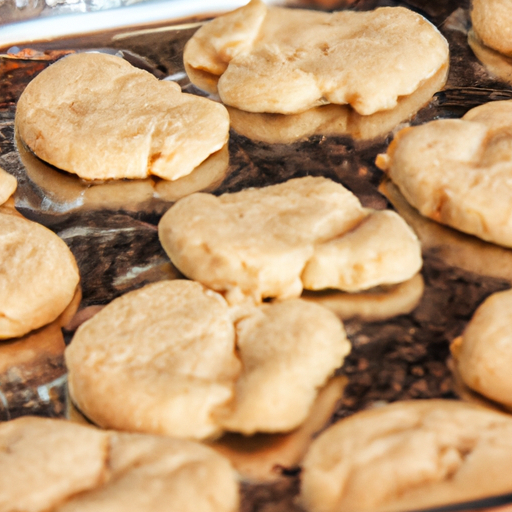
x=97 y=116
x=382 y=249
x=456 y=171
x=208 y=176
x=496 y=63
x=38 y=276
x=176 y=341
x=409 y=456
x=8 y=184
x=287 y=351
x=66 y=192
x=334 y=120
x=278 y=60
x=484 y=353
x=492 y=24
x=169 y=359
x=256 y=457
x=62 y=466
x=272 y=242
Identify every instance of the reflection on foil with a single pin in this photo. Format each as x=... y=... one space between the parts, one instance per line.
x=334 y=120
x=62 y=192
x=453 y=247
x=32 y=370
x=373 y=305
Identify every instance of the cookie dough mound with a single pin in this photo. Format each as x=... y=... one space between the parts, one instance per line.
x=164 y=359
x=492 y=23
x=287 y=350
x=266 y=242
x=484 y=353
x=8 y=184
x=97 y=116
x=168 y=349
x=61 y=466
x=38 y=276
x=278 y=60
x=457 y=171
x=409 y=456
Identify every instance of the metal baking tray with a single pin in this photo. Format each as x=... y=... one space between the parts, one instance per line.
x=112 y=228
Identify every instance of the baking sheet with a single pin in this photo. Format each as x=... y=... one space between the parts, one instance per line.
x=112 y=231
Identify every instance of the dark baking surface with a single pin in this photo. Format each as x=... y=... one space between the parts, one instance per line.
x=117 y=249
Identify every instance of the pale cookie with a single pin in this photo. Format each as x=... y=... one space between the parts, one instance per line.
x=409 y=456
x=97 y=116
x=61 y=466
x=8 y=184
x=167 y=349
x=273 y=241
x=38 y=276
x=457 y=171
x=484 y=353
x=496 y=63
x=66 y=192
x=492 y=23
x=272 y=59
x=381 y=245
x=334 y=120
x=287 y=350
x=167 y=359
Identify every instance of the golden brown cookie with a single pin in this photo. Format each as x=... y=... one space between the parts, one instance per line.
x=170 y=359
x=273 y=241
x=409 y=456
x=272 y=59
x=64 y=467
x=38 y=276
x=457 y=171
x=97 y=116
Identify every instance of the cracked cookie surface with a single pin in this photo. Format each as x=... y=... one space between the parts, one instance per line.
x=97 y=116
x=409 y=456
x=188 y=365
x=277 y=240
x=278 y=60
x=457 y=171
x=65 y=467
